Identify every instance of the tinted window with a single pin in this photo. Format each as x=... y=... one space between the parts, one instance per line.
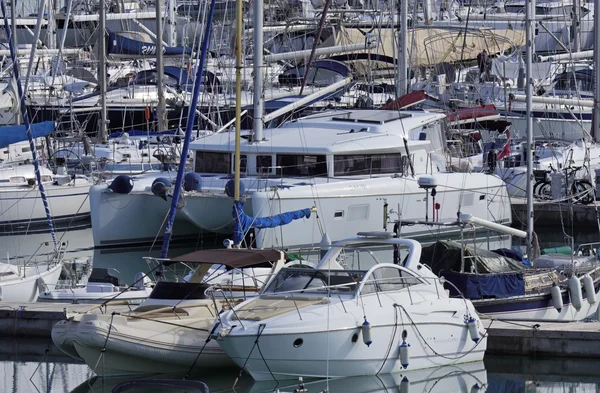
x=211 y=162
x=368 y=164
x=264 y=164
x=301 y=166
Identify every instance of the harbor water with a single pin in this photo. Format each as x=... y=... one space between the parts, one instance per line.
x=26 y=367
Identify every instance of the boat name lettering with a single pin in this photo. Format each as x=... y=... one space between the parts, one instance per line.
x=357 y=186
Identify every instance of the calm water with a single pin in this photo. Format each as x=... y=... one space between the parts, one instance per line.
x=26 y=365
x=24 y=369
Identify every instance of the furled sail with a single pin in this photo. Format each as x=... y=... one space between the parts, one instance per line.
x=243 y=222
x=136 y=44
x=14 y=134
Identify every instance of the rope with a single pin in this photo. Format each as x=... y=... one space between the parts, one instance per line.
x=201 y=350
x=433 y=350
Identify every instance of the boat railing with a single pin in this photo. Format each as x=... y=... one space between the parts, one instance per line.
x=375 y=283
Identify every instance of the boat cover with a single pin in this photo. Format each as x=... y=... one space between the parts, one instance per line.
x=497 y=276
x=14 y=134
x=125 y=43
x=242 y=222
x=445 y=255
x=485 y=286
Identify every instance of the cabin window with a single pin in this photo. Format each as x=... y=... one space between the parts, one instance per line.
x=368 y=164
x=25 y=149
x=243 y=163
x=358 y=212
x=301 y=165
x=389 y=279
x=212 y=162
x=264 y=164
x=17 y=179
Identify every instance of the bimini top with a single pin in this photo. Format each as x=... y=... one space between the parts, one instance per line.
x=231 y=258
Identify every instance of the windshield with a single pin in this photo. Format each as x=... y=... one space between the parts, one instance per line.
x=312 y=281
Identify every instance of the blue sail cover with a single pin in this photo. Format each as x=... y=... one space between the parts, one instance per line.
x=119 y=44
x=14 y=134
x=243 y=222
x=485 y=286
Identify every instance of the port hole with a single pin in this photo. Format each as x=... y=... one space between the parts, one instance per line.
x=298 y=343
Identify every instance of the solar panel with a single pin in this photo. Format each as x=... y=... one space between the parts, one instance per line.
x=372 y=117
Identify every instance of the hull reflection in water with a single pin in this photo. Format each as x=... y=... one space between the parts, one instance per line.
x=467 y=377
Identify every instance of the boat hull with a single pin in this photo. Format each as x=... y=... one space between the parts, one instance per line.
x=113 y=345
x=23 y=210
x=333 y=354
x=27 y=289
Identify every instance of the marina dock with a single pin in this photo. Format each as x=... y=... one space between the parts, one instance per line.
x=37 y=319
x=575 y=339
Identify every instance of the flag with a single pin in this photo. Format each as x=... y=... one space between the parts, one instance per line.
x=505 y=152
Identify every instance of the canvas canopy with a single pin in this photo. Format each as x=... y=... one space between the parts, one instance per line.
x=231 y=258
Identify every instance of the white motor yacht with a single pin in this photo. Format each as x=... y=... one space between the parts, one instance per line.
x=370 y=307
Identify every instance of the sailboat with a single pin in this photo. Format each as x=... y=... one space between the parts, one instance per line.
x=24 y=283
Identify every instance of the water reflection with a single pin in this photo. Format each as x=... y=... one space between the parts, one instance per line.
x=35 y=365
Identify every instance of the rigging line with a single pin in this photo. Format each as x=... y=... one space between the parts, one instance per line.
x=201 y=350
x=433 y=350
x=103 y=350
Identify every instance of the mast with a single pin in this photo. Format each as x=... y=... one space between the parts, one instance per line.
x=13 y=21
x=596 y=112
x=51 y=27
x=402 y=85
x=575 y=25
x=188 y=134
x=15 y=65
x=161 y=109
x=258 y=70
x=171 y=31
x=102 y=131
x=238 y=98
x=529 y=31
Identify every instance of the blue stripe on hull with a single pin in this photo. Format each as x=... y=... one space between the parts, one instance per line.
x=522 y=304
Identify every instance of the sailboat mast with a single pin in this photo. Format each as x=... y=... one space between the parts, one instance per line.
x=529 y=31
x=596 y=112
x=102 y=131
x=161 y=108
x=258 y=69
x=15 y=65
x=238 y=98
x=402 y=84
x=189 y=126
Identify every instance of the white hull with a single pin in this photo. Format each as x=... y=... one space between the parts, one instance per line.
x=119 y=219
x=347 y=208
x=80 y=295
x=332 y=354
x=23 y=210
x=27 y=289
